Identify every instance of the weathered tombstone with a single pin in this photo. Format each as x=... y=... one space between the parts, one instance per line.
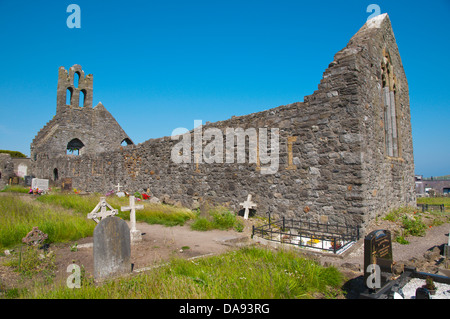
x=28 y=179
x=136 y=235
x=35 y=237
x=112 y=249
x=447 y=248
x=101 y=211
x=248 y=204
x=38 y=183
x=377 y=257
x=66 y=184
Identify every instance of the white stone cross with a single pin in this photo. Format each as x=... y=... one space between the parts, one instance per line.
x=135 y=234
x=118 y=186
x=101 y=211
x=247 y=205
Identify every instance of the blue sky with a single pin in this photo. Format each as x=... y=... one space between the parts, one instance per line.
x=160 y=65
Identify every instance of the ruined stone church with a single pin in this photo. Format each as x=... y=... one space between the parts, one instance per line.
x=345 y=152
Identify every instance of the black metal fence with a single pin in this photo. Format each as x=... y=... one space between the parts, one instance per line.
x=304 y=233
x=428 y=207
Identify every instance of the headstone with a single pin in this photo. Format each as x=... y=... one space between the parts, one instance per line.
x=378 y=253
x=66 y=184
x=38 y=183
x=112 y=249
x=422 y=293
x=248 y=204
x=136 y=235
x=35 y=237
x=118 y=186
x=101 y=211
x=28 y=180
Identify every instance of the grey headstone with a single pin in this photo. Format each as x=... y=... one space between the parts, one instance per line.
x=38 y=183
x=112 y=250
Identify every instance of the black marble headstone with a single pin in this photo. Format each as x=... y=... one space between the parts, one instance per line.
x=422 y=293
x=378 y=251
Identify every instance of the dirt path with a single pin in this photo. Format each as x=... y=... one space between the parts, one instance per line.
x=436 y=236
x=159 y=244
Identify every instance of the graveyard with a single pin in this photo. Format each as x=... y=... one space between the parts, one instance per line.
x=312 y=199
x=189 y=259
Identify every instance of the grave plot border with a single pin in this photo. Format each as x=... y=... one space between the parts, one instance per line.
x=297 y=233
x=387 y=291
x=427 y=207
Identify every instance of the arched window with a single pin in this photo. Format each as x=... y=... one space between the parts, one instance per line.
x=55 y=174
x=390 y=112
x=69 y=92
x=76 y=79
x=126 y=141
x=74 y=147
x=81 y=98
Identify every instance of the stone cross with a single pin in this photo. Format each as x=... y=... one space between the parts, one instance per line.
x=101 y=211
x=118 y=186
x=247 y=205
x=135 y=234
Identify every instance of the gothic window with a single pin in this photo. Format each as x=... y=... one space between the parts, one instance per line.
x=76 y=79
x=390 y=116
x=81 y=98
x=74 y=147
x=69 y=92
x=126 y=142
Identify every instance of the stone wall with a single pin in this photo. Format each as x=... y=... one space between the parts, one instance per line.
x=332 y=157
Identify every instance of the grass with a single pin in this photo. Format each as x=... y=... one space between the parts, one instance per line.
x=249 y=273
x=217 y=218
x=435 y=201
x=15 y=189
x=151 y=214
x=18 y=217
x=415 y=223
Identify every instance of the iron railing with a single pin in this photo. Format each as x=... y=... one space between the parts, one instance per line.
x=304 y=233
x=428 y=207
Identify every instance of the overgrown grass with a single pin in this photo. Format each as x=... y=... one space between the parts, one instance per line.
x=435 y=201
x=253 y=273
x=151 y=214
x=18 y=217
x=218 y=218
x=15 y=189
x=413 y=222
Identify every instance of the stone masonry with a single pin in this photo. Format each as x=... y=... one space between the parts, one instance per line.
x=345 y=152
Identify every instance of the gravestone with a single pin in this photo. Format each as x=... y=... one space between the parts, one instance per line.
x=247 y=205
x=38 y=183
x=136 y=235
x=66 y=184
x=447 y=248
x=28 y=180
x=378 y=253
x=101 y=211
x=35 y=237
x=112 y=249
